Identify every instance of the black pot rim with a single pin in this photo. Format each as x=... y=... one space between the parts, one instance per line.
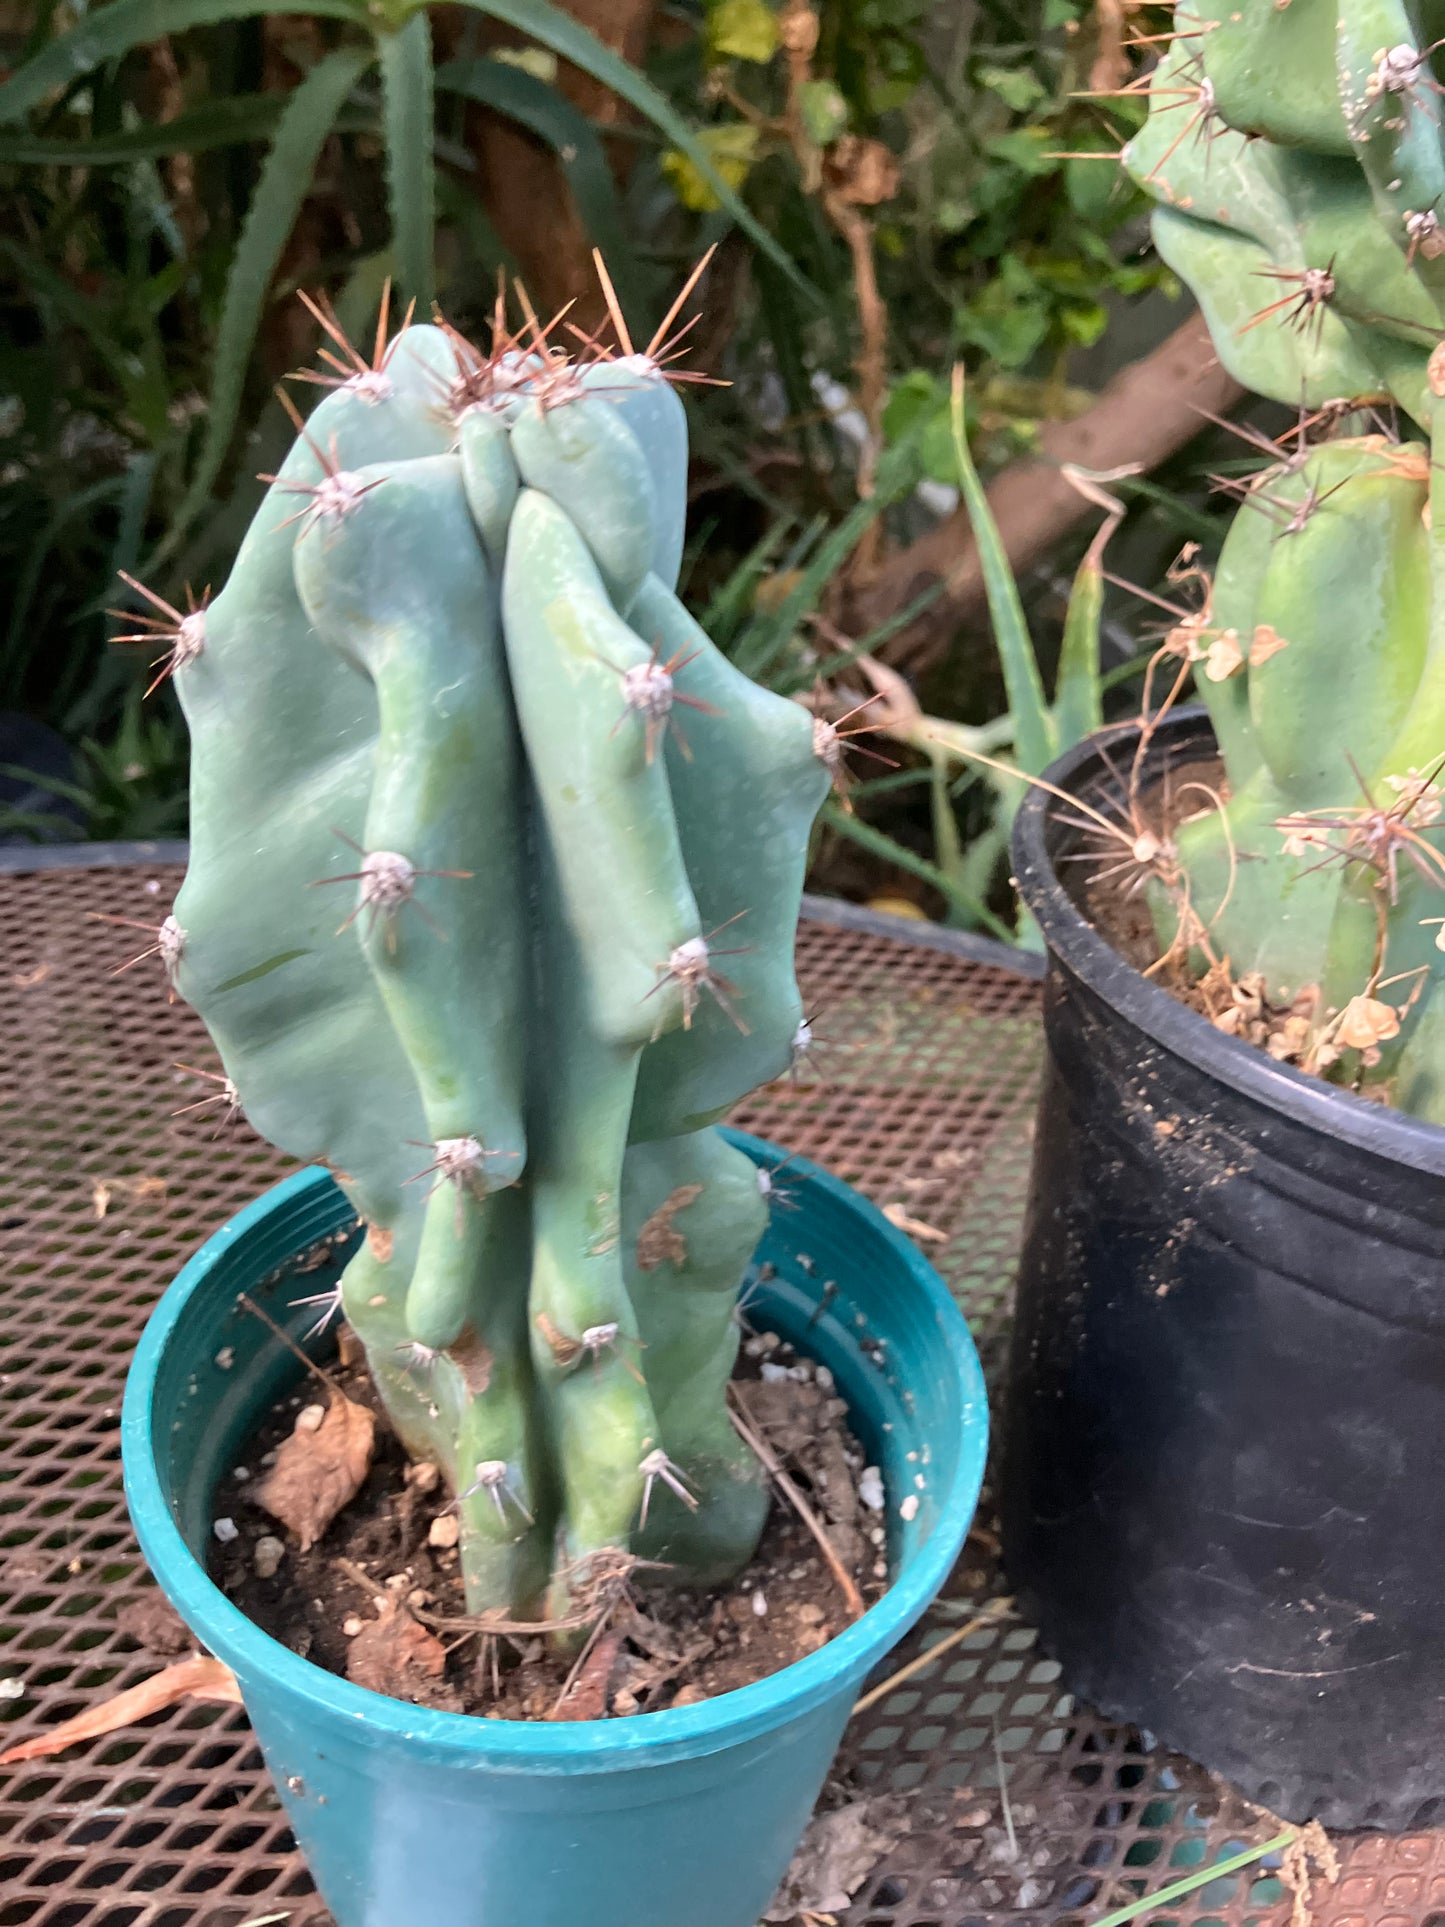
x=1073 y=942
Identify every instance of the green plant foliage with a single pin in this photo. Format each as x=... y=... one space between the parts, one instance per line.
x=157 y=222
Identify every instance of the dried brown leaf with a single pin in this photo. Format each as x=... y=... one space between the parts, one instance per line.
x=861 y=172
x=1365 y=1022
x=318 y=1472
x=1266 y=642
x=199 y=1677
x=396 y=1656
x=1224 y=656
x=660 y=1242
x=897 y=1213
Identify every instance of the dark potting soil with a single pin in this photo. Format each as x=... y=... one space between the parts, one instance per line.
x=371 y=1599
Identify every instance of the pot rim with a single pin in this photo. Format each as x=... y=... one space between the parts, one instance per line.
x=648 y=1739
x=1076 y=944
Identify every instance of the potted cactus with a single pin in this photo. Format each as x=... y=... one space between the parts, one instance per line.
x=1221 y=1486
x=494 y=874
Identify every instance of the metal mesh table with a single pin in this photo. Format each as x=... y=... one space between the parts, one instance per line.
x=1022 y=1806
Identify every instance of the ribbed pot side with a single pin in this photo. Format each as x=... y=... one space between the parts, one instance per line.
x=1222 y=1478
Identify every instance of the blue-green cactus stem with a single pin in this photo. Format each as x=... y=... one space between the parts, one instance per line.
x=473 y=802
x=683 y=1281
x=746 y=785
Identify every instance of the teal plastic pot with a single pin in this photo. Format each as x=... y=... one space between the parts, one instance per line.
x=685 y=1818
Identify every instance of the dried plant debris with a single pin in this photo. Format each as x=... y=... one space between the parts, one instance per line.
x=836 y=1855
x=395 y=1655
x=199 y=1677
x=320 y=1468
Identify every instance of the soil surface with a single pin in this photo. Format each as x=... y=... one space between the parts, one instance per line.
x=372 y=1597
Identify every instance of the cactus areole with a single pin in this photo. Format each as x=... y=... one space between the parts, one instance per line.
x=495 y=869
x=1297 y=156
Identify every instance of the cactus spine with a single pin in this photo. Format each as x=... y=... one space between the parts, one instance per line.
x=477 y=810
x=1296 y=156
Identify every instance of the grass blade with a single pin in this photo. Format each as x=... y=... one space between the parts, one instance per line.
x=285 y=181
x=877 y=844
x=760 y=648
x=1201 y=1877
x=410 y=126
x=548 y=114
x=112 y=31
x=220 y=123
x=570 y=40
x=1033 y=727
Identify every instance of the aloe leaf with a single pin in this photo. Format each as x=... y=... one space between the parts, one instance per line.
x=409 y=122
x=285 y=181
x=1078 y=696
x=1034 y=742
x=109 y=32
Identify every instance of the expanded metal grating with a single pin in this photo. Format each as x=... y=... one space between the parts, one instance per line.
x=1021 y=1806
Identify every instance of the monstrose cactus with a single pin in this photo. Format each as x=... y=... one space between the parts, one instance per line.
x=1295 y=150
x=494 y=875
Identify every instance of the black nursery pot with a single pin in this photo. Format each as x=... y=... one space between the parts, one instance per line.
x=1224 y=1448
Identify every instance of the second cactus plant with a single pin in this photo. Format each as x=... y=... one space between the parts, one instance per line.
x=1296 y=156
x=494 y=874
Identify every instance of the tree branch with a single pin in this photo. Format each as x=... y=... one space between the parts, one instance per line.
x=1146 y=414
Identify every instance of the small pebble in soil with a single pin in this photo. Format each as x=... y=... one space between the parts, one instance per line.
x=870 y=1488
x=226 y=1357
x=909 y=1507
x=351 y=1625
x=423 y=1477
x=445 y=1530
x=310 y=1418
x=241 y=1474
x=225 y=1530
x=760 y=1604
x=267 y=1556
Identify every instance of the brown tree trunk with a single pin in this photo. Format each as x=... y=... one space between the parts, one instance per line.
x=522 y=183
x=1146 y=414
